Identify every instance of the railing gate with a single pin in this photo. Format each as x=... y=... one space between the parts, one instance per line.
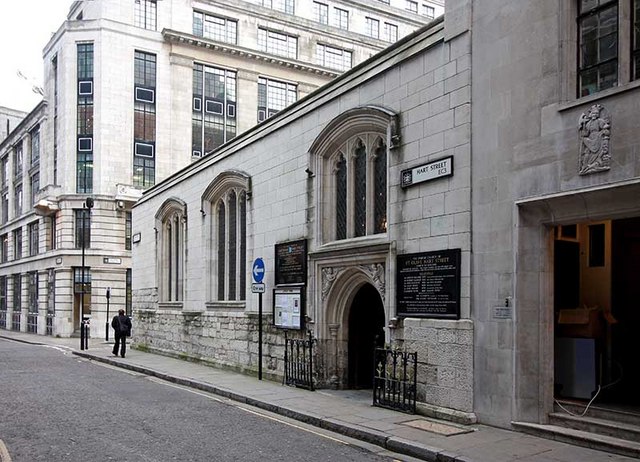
x=298 y=361
x=394 y=379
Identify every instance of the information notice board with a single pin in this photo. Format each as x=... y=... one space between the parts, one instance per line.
x=428 y=284
x=288 y=307
x=291 y=262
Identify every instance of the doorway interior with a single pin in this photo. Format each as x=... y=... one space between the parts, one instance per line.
x=366 y=332
x=597 y=311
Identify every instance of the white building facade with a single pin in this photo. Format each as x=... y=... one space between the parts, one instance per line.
x=134 y=91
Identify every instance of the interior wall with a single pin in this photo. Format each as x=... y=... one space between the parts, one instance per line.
x=595 y=282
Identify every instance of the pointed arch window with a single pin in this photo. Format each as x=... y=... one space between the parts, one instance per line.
x=227 y=201
x=172 y=229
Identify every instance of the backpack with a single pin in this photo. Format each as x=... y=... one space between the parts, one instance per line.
x=124 y=327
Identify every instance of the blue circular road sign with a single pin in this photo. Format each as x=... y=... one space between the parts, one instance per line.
x=257 y=270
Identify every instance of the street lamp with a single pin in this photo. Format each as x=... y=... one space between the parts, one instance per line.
x=88 y=205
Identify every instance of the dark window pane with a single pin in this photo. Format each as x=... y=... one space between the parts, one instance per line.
x=360 y=193
x=380 y=188
x=243 y=245
x=232 y=244
x=222 y=239
x=341 y=198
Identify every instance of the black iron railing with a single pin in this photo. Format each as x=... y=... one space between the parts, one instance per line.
x=3 y=319
x=15 y=320
x=298 y=362
x=394 y=379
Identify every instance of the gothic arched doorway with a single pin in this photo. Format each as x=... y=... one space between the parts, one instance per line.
x=366 y=329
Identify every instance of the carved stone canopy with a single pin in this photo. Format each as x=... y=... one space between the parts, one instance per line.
x=594 y=128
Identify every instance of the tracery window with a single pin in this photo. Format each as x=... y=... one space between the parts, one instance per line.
x=172 y=228
x=352 y=165
x=227 y=204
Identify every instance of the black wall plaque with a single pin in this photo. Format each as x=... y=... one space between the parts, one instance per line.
x=428 y=284
x=291 y=262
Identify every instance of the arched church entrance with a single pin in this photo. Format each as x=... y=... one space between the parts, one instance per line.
x=366 y=331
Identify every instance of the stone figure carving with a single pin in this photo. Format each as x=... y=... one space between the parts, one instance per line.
x=594 y=127
x=329 y=275
x=376 y=272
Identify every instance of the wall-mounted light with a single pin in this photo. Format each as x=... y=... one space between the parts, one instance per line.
x=136 y=238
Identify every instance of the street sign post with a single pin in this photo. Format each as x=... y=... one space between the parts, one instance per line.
x=106 y=327
x=257 y=272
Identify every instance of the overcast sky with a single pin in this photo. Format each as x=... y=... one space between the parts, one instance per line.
x=25 y=29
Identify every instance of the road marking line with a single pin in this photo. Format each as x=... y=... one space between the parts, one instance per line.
x=162 y=382
x=4 y=453
x=65 y=350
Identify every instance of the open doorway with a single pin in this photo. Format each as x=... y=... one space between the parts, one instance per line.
x=366 y=331
x=596 y=312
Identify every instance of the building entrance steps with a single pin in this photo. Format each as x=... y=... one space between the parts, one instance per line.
x=346 y=412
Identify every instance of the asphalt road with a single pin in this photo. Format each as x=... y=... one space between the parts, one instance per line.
x=57 y=407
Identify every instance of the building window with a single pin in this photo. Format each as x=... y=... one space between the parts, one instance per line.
x=390 y=32
x=144 y=115
x=286 y=6
x=5 y=207
x=82 y=285
x=636 y=39
x=18 y=200
x=226 y=197
x=145 y=14
x=34 y=238
x=84 y=148
x=128 y=294
x=335 y=58
x=4 y=248
x=341 y=18
x=17 y=244
x=35 y=146
x=597 y=45
x=428 y=11
x=372 y=27
x=82 y=228
x=3 y=296
x=17 y=292
x=17 y=160
x=412 y=6
x=277 y=43
x=34 y=186
x=321 y=12
x=33 y=291
x=352 y=164
x=215 y=27
x=172 y=222
x=213 y=108
x=51 y=234
x=127 y=231
x=4 y=171
x=273 y=96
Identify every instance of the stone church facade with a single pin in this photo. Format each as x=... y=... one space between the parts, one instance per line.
x=325 y=172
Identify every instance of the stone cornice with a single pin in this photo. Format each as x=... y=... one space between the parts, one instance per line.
x=234 y=50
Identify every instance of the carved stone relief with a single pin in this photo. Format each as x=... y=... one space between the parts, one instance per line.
x=594 y=127
x=375 y=272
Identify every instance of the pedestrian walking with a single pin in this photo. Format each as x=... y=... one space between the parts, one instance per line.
x=121 y=324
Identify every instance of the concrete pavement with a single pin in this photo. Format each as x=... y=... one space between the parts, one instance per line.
x=346 y=412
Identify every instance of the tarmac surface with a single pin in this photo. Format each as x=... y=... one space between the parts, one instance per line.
x=345 y=412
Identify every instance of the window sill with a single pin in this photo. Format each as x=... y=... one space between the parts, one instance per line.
x=170 y=305
x=600 y=95
x=225 y=306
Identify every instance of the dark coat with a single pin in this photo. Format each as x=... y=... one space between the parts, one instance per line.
x=121 y=324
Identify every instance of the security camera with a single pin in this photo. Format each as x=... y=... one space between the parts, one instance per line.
x=120 y=205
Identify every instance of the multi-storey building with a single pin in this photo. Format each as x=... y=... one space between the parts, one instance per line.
x=9 y=119
x=134 y=91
